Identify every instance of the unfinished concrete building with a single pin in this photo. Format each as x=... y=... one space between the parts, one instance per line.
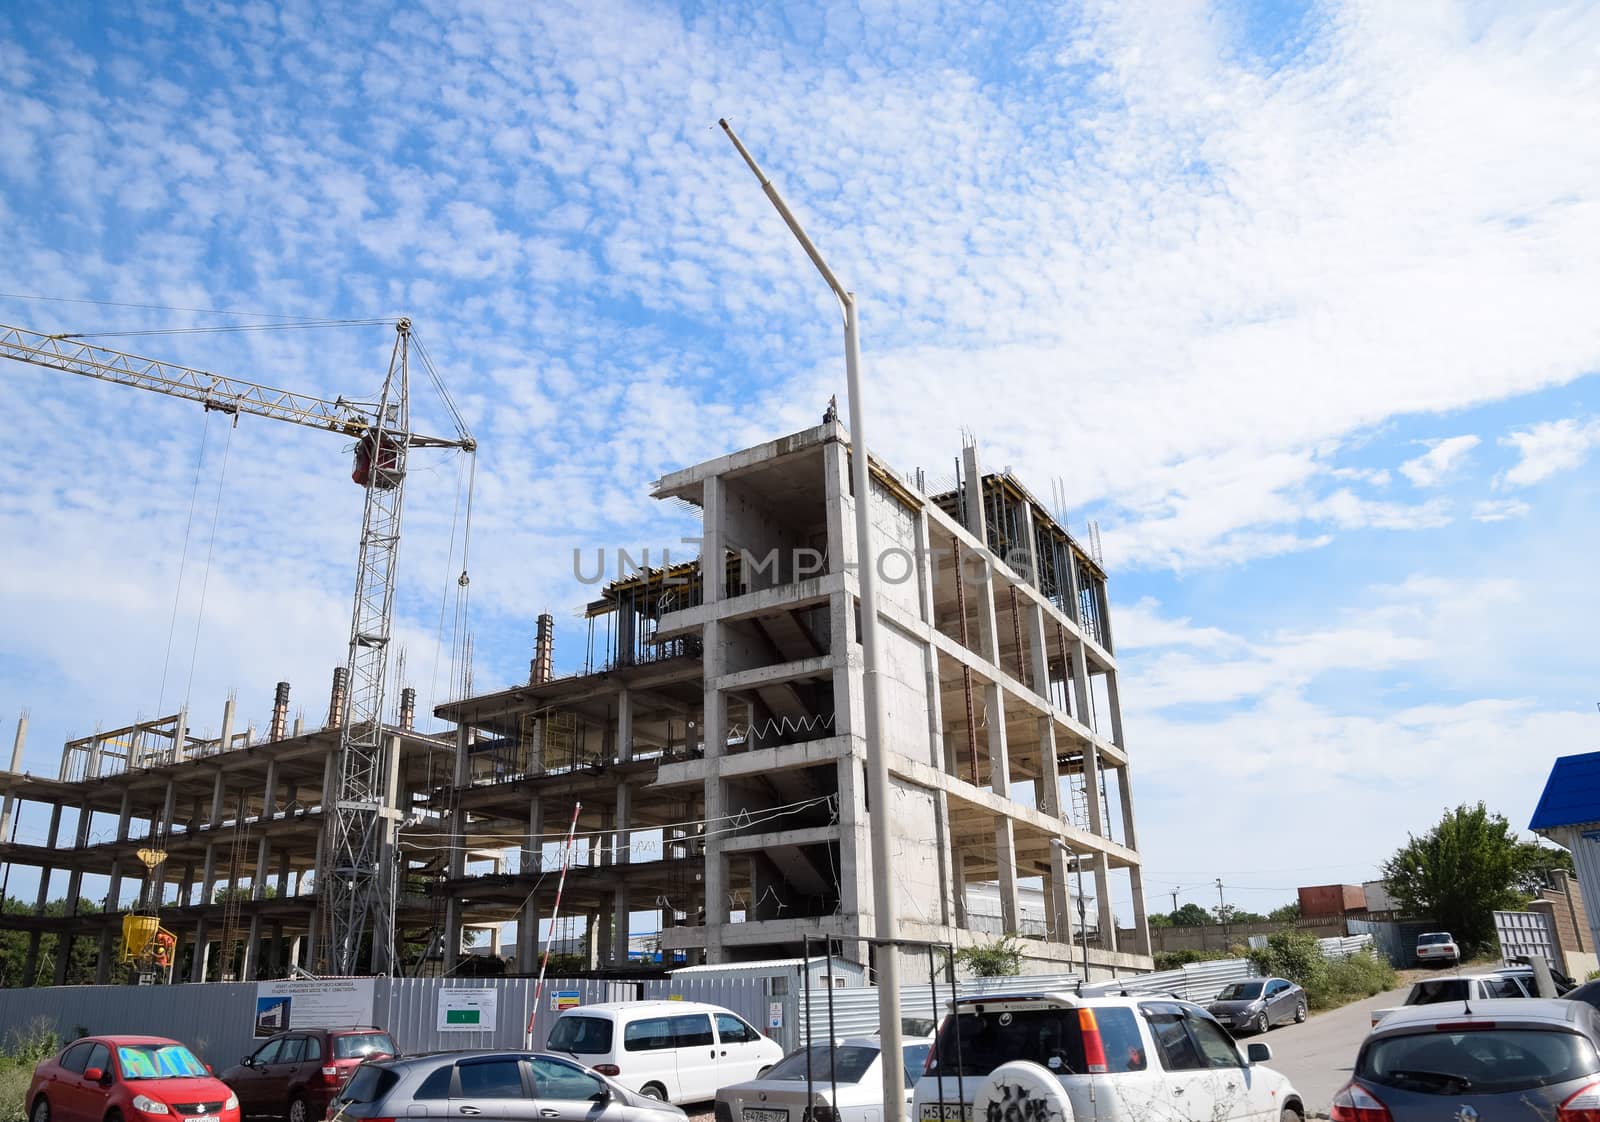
x=238 y=823
x=713 y=746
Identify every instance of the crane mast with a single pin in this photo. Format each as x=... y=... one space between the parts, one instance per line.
x=356 y=874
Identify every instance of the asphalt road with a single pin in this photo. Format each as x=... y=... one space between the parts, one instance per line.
x=1318 y=1055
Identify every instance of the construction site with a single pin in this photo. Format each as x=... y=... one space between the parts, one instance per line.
x=695 y=789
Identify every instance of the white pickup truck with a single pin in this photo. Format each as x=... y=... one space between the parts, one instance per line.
x=1465 y=987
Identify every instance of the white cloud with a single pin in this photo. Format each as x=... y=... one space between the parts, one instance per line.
x=1548 y=448
x=1442 y=458
x=1499 y=510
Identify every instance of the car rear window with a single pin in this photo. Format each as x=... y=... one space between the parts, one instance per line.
x=583 y=1036
x=847 y=1064
x=1438 y=990
x=358 y=1044
x=1049 y=1036
x=1478 y=1061
x=369 y=1084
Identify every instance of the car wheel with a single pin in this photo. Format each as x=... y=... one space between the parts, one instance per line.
x=1300 y=1012
x=297 y=1110
x=1262 y=1024
x=1290 y=1114
x=654 y=1091
x=113 y=1115
x=41 y=1110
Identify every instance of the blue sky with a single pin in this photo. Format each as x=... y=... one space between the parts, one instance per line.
x=1296 y=300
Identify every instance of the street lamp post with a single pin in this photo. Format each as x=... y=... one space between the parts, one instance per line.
x=883 y=891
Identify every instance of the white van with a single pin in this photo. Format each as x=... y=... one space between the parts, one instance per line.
x=678 y=1051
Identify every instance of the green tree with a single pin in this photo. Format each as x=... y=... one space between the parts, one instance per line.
x=1002 y=958
x=1458 y=873
x=81 y=964
x=1159 y=919
x=226 y=892
x=1535 y=863
x=1287 y=913
x=1191 y=915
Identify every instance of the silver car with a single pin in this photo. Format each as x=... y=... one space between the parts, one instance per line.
x=492 y=1087
x=1257 y=1005
x=842 y=1083
x=1505 y=1060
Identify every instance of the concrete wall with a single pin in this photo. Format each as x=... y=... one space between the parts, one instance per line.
x=1213 y=937
x=916 y=853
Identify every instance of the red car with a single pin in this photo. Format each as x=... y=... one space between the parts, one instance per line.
x=297 y=1073
x=128 y=1079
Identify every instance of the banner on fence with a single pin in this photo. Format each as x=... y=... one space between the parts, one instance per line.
x=468 y=1010
x=312 y=1004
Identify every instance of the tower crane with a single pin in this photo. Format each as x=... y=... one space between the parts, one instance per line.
x=359 y=818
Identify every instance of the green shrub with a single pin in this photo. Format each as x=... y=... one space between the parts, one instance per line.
x=1296 y=956
x=1361 y=975
x=24 y=1048
x=999 y=959
x=1171 y=960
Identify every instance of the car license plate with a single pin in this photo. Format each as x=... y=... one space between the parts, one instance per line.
x=757 y=1114
x=206 y=1118
x=945 y=1112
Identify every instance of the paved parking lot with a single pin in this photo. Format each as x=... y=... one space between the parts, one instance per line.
x=1318 y=1055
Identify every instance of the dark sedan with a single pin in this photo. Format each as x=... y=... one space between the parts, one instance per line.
x=1257 y=1005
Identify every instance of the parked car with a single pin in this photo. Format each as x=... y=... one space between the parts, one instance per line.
x=1506 y=1060
x=803 y=1084
x=676 y=1051
x=295 y=1074
x=1112 y=1059
x=1258 y=1004
x=127 y=1077
x=1464 y=987
x=1588 y=992
x=493 y=1087
x=1437 y=947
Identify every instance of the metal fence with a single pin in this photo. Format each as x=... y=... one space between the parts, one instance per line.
x=1338 y=949
x=1396 y=940
x=217 y=1018
x=1530 y=934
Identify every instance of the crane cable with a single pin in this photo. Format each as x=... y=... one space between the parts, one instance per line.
x=205 y=580
x=183 y=560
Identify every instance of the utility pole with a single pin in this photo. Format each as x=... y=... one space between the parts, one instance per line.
x=1222 y=913
x=884 y=901
x=1174 y=895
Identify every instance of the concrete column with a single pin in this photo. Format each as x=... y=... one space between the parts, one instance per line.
x=227 y=725
x=855 y=841
x=458 y=855
x=1005 y=840
x=269 y=791
x=1059 y=895
x=532 y=860
x=30 y=965
x=714 y=723
x=258 y=882
x=219 y=801
x=284 y=870
x=528 y=935
x=1091 y=779
x=1025 y=554
x=16 y=769
x=621 y=855
x=46 y=870
x=1125 y=789
x=1114 y=704
x=624 y=726
x=972 y=490
x=1141 y=922
x=250 y=960
x=274 y=957
x=951 y=908
x=186 y=886
x=958 y=883
x=202 y=953
x=1108 y=922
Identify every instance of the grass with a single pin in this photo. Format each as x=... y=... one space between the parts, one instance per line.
x=22 y=1050
x=1362 y=975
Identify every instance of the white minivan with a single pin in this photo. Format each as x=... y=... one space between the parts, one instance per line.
x=678 y=1051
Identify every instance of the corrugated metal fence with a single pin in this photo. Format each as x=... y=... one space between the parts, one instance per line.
x=1338 y=949
x=217 y=1018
